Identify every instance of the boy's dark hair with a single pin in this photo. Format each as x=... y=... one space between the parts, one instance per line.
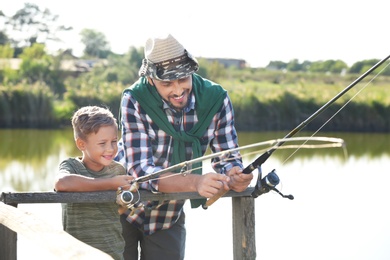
x=89 y=119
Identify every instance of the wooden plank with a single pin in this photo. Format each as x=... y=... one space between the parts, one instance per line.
x=8 y=242
x=244 y=241
x=46 y=236
x=58 y=197
x=100 y=196
x=7 y=225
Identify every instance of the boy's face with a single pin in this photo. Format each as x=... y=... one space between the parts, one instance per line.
x=175 y=92
x=99 y=149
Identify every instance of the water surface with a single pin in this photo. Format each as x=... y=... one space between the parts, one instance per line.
x=339 y=211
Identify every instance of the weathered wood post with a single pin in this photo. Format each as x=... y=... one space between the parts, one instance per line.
x=8 y=238
x=244 y=242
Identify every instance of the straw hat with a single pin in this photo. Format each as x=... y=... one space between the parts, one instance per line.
x=167 y=60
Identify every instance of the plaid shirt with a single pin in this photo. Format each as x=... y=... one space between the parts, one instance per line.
x=145 y=149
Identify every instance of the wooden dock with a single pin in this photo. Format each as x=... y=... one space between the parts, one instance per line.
x=14 y=221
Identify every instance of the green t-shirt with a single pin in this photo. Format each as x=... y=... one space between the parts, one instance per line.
x=96 y=224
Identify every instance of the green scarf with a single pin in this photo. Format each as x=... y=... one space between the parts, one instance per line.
x=209 y=98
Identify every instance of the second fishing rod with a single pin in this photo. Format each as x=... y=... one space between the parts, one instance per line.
x=269 y=182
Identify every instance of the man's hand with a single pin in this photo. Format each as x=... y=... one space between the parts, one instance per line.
x=239 y=181
x=210 y=183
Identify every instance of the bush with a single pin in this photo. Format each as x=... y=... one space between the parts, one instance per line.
x=26 y=106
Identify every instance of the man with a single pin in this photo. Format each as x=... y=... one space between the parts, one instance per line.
x=168 y=116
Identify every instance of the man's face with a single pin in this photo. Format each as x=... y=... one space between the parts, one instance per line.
x=175 y=92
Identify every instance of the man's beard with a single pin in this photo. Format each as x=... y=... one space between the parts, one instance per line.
x=177 y=108
x=182 y=105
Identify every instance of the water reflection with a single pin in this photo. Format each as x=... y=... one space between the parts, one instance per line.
x=357 y=144
x=339 y=211
x=29 y=158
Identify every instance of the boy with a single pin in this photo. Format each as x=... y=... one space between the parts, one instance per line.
x=97 y=224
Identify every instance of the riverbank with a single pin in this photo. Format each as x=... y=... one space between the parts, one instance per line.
x=279 y=102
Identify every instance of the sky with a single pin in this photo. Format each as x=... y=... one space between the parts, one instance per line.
x=256 y=31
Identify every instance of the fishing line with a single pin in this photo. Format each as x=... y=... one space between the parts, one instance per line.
x=332 y=142
x=338 y=111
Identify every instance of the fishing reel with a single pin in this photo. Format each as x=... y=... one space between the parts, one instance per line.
x=268 y=183
x=125 y=199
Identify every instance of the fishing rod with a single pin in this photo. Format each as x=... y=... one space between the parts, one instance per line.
x=183 y=166
x=127 y=200
x=269 y=182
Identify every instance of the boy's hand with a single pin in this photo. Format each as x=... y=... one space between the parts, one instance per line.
x=122 y=181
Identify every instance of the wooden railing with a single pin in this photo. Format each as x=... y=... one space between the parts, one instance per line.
x=14 y=221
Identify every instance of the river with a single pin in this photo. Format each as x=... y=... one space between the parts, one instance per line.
x=339 y=211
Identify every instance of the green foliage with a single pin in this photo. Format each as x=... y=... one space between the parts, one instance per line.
x=36 y=51
x=35 y=64
x=361 y=67
x=328 y=66
x=263 y=99
x=262 y=105
x=96 y=44
x=6 y=73
x=121 y=69
x=276 y=65
x=294 y=65
x=34 y=70
x=6 y=51
x=3 y=37
x=135 y=56
x=104 y=94
x=63 y=111
x=333 y=66
x=213 y=70
x=27 y=106
x=8 y=76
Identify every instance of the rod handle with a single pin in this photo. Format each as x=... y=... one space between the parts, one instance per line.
x=214 y=198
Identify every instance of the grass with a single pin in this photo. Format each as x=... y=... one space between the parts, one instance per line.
x=263 y=100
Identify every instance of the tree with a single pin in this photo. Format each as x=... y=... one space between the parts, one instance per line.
x=3 y=38
x=96 y=44
x=306 y=65
x=338 y=66
x=31 y=25
x=38 y=66
x=211 y=69
x=362 y=66
x=136 y=55
x=276 y=65
x=6 y=51
x=120 y=69
x=294 y=65
x=35 y=63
